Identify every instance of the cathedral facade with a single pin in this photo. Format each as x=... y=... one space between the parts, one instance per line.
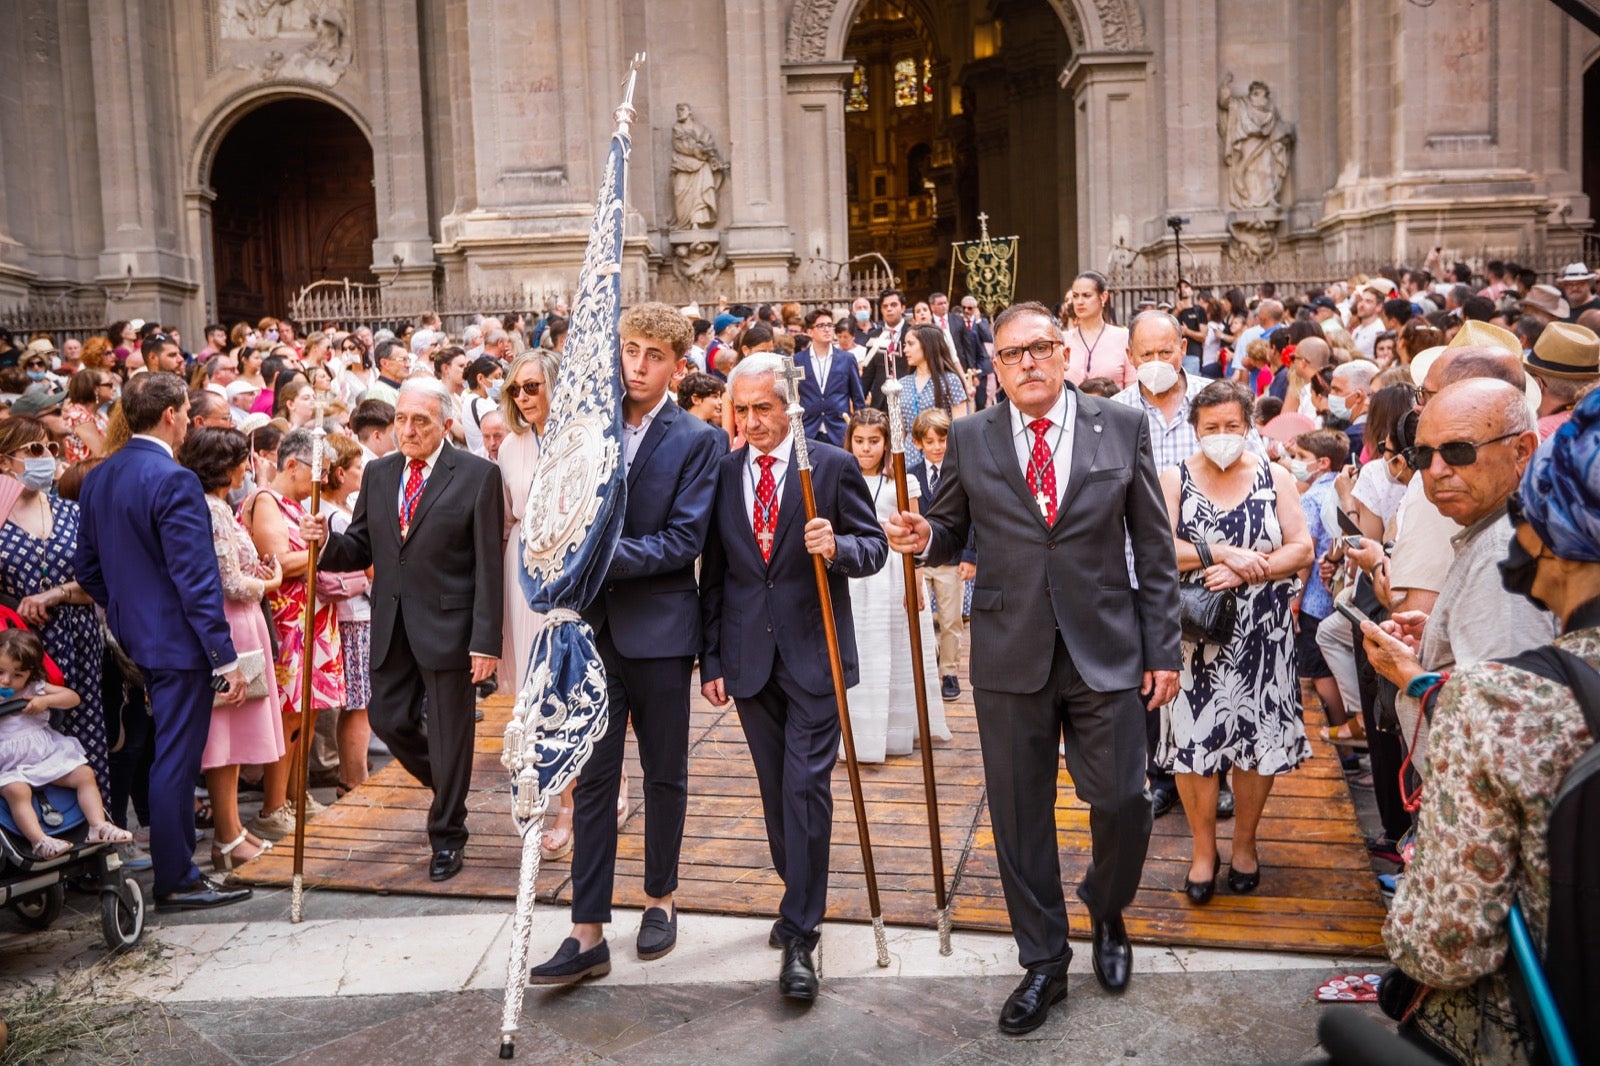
x=207 y=159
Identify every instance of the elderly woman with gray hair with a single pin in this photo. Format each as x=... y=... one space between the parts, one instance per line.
x=272 y=515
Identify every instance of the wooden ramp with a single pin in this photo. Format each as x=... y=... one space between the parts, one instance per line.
x=1317 y=892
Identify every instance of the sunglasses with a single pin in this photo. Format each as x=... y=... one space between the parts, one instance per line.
x=532 y=388
x=1454 y=453
x=38 y=449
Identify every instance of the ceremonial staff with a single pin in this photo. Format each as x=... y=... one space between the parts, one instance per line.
x=789 y=381
x=897 y=451
x=300 y=765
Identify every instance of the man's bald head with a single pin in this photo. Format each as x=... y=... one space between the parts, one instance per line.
x=1492 y=416
x=1315 y=351
x=1433 y=381
x=1590 y=319
x=1481 y=361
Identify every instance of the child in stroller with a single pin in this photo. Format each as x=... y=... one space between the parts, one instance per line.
x=33 y=755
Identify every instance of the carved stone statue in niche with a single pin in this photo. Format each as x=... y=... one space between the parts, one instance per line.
x=302 y=39
x=698 y=264
x=1255 y=148
x=698 y=170
x=1255 y=145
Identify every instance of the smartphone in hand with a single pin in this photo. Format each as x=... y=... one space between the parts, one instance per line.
x=1352 y=612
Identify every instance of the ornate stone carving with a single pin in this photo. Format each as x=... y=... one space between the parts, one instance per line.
x=1256 y=142
x=698 y=263
x=698 y=170
x=1121 y=25
x=306 y=40
x=807 y=41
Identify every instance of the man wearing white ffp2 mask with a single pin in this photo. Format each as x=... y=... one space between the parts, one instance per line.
x=1163 y=389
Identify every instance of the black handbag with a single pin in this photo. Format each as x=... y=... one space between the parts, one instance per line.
x=1208 y=617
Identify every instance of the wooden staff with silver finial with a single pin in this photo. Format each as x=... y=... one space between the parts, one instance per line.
x=300 y=765
x=897 y=455
x=789 y=383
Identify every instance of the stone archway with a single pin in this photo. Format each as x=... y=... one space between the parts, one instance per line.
x=281 y=220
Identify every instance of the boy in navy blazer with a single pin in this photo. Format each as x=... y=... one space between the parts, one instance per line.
x=831 y=391
x=646 y=621
x=931 y=433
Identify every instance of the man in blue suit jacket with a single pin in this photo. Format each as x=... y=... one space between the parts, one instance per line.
x=764 y=642
x=163 y=600
x=646 y=620
x=831 y=390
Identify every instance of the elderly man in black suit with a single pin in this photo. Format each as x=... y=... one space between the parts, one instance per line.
x=428 y=521
x=1063 y=646
x=764 y=644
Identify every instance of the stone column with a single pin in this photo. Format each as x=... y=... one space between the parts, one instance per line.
x=1118 y=162
x=400 y=145
x=814 y=120
x=758 y=238
x=143 y=263
x=197 y=216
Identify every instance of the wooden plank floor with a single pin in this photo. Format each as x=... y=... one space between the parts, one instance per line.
x=1317 y=892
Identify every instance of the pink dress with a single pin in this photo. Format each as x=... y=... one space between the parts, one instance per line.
x=288 y=614
x=1103 y=355
x=252 y=732
x=519 y=459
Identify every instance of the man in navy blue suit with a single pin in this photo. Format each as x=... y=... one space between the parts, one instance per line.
x=163 y=600
x=763 y=637
x=831 y=390
x=646 y=620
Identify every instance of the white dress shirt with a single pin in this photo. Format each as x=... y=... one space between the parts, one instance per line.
x=633 y=436
x=405 y=475
x=1061 y=415
x=782 y=453
x=157 y=441
x=823 y=364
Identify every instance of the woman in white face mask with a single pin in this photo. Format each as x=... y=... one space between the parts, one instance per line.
x=38 y=541
x=1239 y=532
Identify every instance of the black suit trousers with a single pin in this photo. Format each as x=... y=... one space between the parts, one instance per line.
x=425 y=717
x=654 y=695
x=794 y=741
x=1105 y=751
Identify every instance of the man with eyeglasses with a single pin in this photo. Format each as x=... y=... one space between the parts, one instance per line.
x=1473 y=442
x=1063 y=646
x=394 y=366
x=831 y=390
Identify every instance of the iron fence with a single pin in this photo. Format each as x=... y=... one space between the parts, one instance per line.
x=58 y=320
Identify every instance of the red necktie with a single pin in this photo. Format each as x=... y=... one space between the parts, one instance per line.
x=1042 y=471
x=408 y=506
x=764 y=519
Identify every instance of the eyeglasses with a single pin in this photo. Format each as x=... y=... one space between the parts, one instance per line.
x=532 y=388
x=1040 y=350
x=823 y=325
x=1454 y=453
x=38 y=449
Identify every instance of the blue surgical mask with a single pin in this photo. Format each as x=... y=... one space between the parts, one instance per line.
x=494 y=389
x=38 y=474
x=1338 y=408
x=863 y=317
x=272 y=336
x=36 y=375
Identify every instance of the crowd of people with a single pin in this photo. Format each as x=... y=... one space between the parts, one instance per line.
x=1365 y=495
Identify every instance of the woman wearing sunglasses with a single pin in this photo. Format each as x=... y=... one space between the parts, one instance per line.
x=38 y=536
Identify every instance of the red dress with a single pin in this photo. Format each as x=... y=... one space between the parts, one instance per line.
x=288 y=606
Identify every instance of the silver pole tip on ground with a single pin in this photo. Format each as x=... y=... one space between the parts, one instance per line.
x=297 y=902
x=944 y=931
x=883 y=942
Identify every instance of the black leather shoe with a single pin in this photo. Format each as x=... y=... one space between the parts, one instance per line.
x=1029 y=1003
x=658 y=934
x=1113 y=955
x=1162 y=800
x=1243 y=883
x=798 y=977
x=1225 y=802
x=950 y=687
x=1200 y=892
x=774 y=938
x=569 y=965
x=445 y=865
x=201 y=893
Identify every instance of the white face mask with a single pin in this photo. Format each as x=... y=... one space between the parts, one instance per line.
x=1158 y=376
x=38 y=474
x=1223 y=449
x=1338 y=408
x=1300 y=470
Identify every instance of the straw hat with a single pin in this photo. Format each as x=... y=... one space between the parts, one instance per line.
x=1475 y=334
x=1565 y=350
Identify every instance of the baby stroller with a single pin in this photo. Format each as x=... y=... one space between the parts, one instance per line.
x=35 y=888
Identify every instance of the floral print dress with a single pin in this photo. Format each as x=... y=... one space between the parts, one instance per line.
x=288 y=606
x=1238 y=704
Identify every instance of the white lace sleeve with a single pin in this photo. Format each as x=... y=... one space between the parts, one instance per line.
x=236 y=585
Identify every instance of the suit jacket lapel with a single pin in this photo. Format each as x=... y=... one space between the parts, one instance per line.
x=997 y=432
x=443 y=470
x=791 y=505
x=652 y=437
x=1087 y=430
x=732 y=491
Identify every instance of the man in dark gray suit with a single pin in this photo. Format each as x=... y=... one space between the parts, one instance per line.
x=1063 y=646
x=428 y=521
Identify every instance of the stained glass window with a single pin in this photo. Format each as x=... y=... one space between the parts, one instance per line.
x=855 y=98
x=906 y=89
x=927 y=81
